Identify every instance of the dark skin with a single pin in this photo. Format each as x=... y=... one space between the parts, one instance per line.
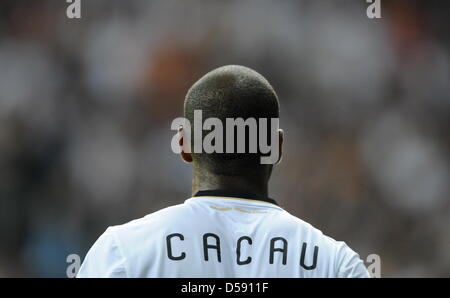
x=256 y=182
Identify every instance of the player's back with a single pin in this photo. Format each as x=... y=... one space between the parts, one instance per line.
x=217 y=235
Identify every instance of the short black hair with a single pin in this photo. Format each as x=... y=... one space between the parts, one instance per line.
x=231 y=91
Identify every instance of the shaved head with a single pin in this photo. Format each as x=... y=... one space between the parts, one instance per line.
x=231 y=92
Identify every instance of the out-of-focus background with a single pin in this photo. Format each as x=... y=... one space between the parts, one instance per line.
x=86 y=106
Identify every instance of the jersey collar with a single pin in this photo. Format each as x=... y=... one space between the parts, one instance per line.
x=232 y=194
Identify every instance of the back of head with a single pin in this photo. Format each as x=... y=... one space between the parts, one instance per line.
x=231 y=92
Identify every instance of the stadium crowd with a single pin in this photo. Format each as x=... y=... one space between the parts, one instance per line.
x=86 y=106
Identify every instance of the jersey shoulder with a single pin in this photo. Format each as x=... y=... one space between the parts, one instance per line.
x=161 y=219
x=346 y=262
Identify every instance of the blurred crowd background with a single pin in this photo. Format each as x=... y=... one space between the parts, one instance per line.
x=86 y=106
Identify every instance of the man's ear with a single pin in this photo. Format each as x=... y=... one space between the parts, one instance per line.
x=184 y=152
x=280 y=144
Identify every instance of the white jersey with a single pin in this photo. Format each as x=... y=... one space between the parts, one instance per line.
x=215 y=234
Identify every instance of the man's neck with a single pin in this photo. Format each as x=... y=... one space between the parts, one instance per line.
x=231 y=183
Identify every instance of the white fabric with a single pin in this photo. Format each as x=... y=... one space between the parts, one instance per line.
x=140 y=248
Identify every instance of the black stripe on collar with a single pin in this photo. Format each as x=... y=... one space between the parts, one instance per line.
x=233 y=194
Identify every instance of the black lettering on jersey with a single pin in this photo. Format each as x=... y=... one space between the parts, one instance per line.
x=238 y=250
x=169 y=247
x=273 y=249
x=207 y=246
x=302 y=257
